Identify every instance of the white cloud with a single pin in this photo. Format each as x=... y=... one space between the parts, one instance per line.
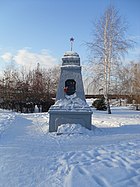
x=7 y=57
x=29 y=59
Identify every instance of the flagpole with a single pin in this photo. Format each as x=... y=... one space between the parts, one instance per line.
x=71 y=41
x=71 y=45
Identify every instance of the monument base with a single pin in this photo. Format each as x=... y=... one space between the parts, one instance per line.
x=71 y=110
x=58 y=118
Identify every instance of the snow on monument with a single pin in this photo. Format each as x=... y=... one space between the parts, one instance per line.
x=70 y=106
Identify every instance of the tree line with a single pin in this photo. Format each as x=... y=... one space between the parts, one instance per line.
x=124 y=81
x=22 y=90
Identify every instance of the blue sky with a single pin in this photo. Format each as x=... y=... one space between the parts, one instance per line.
x=34 y=31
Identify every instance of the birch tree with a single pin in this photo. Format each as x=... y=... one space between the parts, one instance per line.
x=109 y=45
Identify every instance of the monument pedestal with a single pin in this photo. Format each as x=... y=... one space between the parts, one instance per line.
x=71 y=110
x=73 y=117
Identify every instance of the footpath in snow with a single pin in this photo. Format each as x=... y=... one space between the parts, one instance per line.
x=106 y=156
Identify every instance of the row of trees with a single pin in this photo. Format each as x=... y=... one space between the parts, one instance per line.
x=25 y=89
x=125 y=81
x=130 y=81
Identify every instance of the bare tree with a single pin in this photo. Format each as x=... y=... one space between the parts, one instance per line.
x=93 y=81
x=128 y=82
x=51 y=77
x=109 y=45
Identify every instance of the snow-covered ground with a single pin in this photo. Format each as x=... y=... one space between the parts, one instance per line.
x=106 y=156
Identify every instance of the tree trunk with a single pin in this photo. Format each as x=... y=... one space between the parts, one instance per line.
x=137 y=107
x=108 y=106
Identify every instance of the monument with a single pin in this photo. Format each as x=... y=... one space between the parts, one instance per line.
x=70 y=106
